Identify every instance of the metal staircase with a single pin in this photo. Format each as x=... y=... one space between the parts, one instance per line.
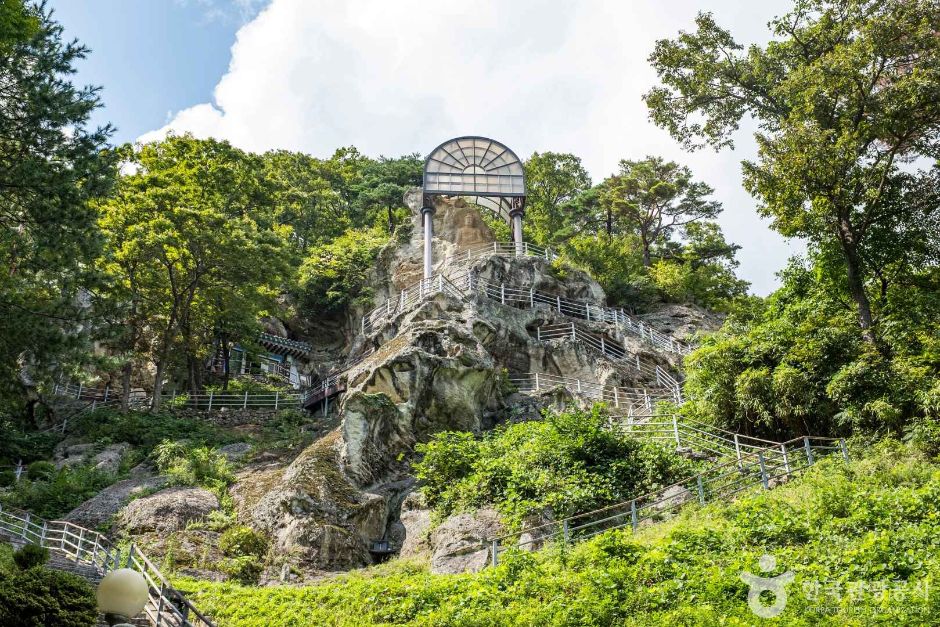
x=91 y=555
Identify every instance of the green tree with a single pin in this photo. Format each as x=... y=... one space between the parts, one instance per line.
x=51 y=166
x=654 y=198
x=18 y=23
x=700 y=270
x=190 y=249
x=308 y=195
x=846 y=93
x=335 y=275
x=380 y=190
x=553 y=182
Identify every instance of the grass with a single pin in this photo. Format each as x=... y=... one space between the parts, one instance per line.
x=861 y=541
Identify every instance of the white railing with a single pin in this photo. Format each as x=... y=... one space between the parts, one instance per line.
x=633 y=401
x=166 y=606
x=239 y=368
x=214 y=401
x=613 y=351
x=762 y=467
x=501 y=249
x=408 y=299
x=529 y=298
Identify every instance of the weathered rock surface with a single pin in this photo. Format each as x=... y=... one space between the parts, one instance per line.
x=235 y=451
x=170 y=509
x=105 y=505
x=72 y=454
x=459 y=544
x=415 y=520
x=317 y=520
x=683 y=321
x=109 y=460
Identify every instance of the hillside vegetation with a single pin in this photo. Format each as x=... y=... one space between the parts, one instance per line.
x=874 y=522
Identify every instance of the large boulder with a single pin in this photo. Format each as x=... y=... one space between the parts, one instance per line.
x=461 y=543
x=170 y=509
x=104 y=506
x=109 y=460
x=437 y=378
x=316 y=518
x=415 y=521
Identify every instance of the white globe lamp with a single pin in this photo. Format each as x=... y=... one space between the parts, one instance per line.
x=122 y=595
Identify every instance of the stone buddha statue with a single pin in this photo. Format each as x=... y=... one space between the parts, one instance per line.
x=469 y=234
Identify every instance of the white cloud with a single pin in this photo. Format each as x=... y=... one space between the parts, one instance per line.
x=400 y=77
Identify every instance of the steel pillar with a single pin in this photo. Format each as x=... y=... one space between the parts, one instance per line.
x=516 y=217
x=427 y=214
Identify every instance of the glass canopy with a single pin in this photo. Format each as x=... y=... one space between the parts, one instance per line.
x=474 y=166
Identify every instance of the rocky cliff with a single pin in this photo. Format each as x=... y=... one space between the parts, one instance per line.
x=440 y=364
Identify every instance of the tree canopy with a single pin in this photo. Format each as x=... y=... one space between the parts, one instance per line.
x=846 y=98
x=52 y=165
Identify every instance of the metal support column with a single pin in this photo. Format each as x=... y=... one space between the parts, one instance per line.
x=516 y=217
x=427 y=215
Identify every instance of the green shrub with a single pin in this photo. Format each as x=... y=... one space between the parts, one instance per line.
x=41 y=471
x=31 y=556
x=145 y=430
x=186 y=464
x=61 y=493
x=569 y=462
x=7 y=478
x=245 y=569
x=39 y=597
x=243 y=541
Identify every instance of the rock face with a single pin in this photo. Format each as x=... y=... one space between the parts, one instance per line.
x=415 y=519
x=437 y=366
x=102 y=507
x=170 y=509
x=316 y=518
x=459 y=544
x=683 y=321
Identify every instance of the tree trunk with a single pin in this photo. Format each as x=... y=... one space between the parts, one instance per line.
x=226 y=362
x=192 y=371
x=158 y=384
x=126 y=371
x=856 y=282
x=647 y=260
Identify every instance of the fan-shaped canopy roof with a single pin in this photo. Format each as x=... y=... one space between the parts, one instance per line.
x=474 y=166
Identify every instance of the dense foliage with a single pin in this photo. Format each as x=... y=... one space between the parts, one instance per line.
x=847 y=102
x=798 y=363
x=51 y=165
x=567 y=463
x=33 y=596
x=646 y=233
x=861 y=540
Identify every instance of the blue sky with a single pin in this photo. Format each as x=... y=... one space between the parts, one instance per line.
x=398 y=77
x=151 y=57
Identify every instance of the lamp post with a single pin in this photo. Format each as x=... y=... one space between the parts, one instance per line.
x=122 y=594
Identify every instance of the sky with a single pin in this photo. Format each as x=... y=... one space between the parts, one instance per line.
x=400 y=77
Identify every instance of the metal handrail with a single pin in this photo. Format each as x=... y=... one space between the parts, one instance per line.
x=222 y=400
x=635 y=401
x=503 y=249
x=408 y=298
x=166 y=605
x=719 y=481
x=610 y=349
x=529 y=298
